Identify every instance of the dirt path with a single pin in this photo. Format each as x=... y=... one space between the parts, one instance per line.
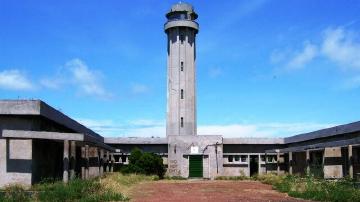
x=189 y=191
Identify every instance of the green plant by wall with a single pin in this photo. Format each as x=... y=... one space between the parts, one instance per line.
x=145 y=163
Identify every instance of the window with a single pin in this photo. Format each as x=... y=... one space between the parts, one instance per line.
x=123 y=158
x=237 y=158
x=182 y=38
x=263 y=158
x=182 y=66
x=243 y=158
x=230 y=158
x=181 y=94
x=181 y=122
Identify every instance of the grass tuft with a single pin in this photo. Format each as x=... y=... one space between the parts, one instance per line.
x=313 y=188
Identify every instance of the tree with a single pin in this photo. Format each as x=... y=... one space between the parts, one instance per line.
x=145 y=163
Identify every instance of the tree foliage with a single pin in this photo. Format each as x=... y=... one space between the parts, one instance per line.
x=145 y=163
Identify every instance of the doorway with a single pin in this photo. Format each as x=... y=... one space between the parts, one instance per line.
x=195 y=166
x=254 y=165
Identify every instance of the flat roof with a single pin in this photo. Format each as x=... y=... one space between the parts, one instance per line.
x=40 y=108
x=253 y=140
x=323 y=133
x=135 y=140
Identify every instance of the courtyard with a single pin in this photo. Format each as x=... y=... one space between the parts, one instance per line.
x=204 y=190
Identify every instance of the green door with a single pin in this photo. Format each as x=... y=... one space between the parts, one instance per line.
x=195 y=166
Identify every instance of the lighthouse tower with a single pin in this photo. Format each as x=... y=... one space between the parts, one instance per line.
x=181 y=29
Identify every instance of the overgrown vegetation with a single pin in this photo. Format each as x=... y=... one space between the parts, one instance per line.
x=145 y=163
x=112 y=187
x=77 y=190
x=313 y=188
x=175 y=178
x=125 y=182
x=14 y=193
x=241 y=177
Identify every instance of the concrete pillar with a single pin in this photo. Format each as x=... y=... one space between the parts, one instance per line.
x=107 y=161
x=101 y=166
x=278 y=163
x=112 y=163
x=66 y=161
x=72 y=159
x=87 y=161
x=290 y=163
x=307 y=162
x=259 y=164
x=351 y=168
x=83 y=163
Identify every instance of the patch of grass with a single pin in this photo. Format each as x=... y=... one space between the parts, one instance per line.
x=14 y=193
x=125 y=182
x=312 y=188
x=77 y=190
x=235 y=178
x=175 y=178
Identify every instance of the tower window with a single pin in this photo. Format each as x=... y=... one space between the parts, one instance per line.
x=181 y=122
x=182 y=66
x=181 y=94
x=182 y=38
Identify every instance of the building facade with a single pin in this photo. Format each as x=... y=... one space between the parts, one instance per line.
x=39 y=142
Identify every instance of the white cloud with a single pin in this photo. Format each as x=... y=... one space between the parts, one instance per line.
x=52 y=83
x=157 y=128
x=138 y=88
x=156 y=131
x=15 y=80
x=147 y=122
x=133 y=128
x=76 y=73
x=301 y=58
x=88 y=80
x=261 y=129
x=340 y=46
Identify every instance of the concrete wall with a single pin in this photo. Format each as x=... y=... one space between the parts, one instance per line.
x=15 y=162
x=30 y=123
x=94 y=162
x=180 y=147
x=181 y=53
x=236 y=167
x=333 y=167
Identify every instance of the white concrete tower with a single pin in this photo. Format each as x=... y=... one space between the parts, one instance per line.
x=181 y=29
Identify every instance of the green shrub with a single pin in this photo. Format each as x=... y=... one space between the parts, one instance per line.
x=145 y=163
x=76 y=190
x=15 y=193
x=241 y=177
x=175 y=178
x=313 y=188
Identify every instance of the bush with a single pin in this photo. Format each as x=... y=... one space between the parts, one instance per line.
x=76 y=190
x=235 y=178
x=313 y=188
x=15 y=193
x=145 y=163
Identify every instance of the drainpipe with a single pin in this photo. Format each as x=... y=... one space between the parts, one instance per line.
x=216 y=153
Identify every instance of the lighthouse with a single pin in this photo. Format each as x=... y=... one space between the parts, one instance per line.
x=181 y=29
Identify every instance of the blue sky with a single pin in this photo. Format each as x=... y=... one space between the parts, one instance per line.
x=264 y=68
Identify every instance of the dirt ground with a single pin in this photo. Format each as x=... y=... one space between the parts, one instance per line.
x=200 y=190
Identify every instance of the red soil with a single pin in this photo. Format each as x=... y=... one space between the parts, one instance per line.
x=191 y=191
